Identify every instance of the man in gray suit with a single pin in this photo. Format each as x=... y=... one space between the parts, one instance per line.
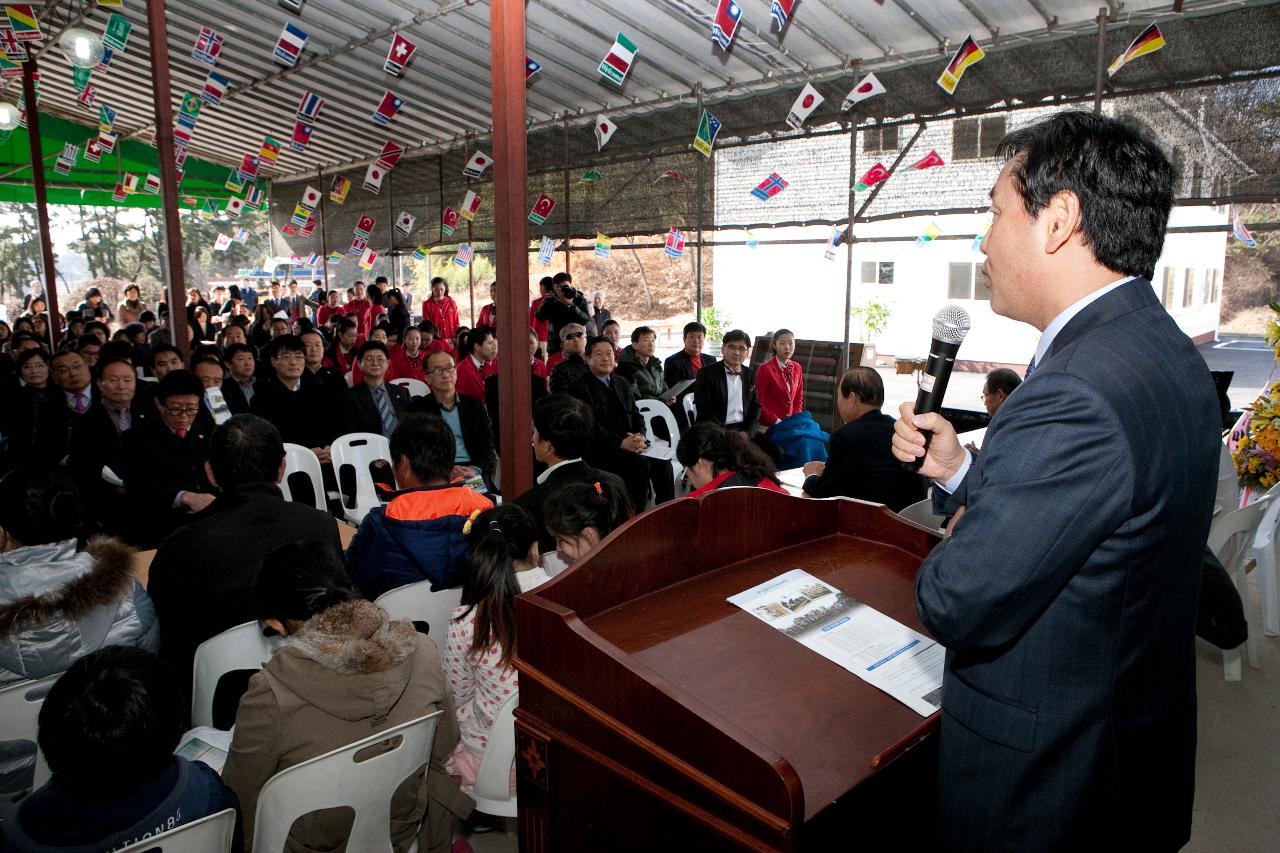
x=1066 y=593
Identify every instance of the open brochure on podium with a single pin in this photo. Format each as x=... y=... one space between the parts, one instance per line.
x=881 y=651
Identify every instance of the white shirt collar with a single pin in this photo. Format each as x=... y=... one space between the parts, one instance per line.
x=1056 y=325
x=542 y=478
x=477 y=362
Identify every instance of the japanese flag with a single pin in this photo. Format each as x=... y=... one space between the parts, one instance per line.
x=310 y=198
x=234 y=206
x=477 y=164
x=867 y=87
x=604 y=131
x=805 y=104
x=373 y=177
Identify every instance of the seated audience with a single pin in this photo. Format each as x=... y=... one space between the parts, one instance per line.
x=407 y=357
x=418 y=534
x=373 y=405
x=209 y=368
x=164 y=358
x=313 y=346
x=32 y=416
x=717 y=458
x=860 y=463
x=297 y=402
x=164 y=471
x=345 y=672
x=468 y=420
x=725 y=391
x=537 y=387
x=343 y=354
x=639 y=366
x=482 y=630
x=780 y=381
x=688 y=362
x=562 y=429
x=1000 y=383
x=108 y=730
x=242 y=367
x=479 y=361
x=202 y=576
x=613 y=331
x=580 y=515
x=568 y=364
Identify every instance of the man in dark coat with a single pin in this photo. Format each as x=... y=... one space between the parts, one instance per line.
x=685 y=365
x=295 y=401
x=373 y=404
x=725 y=391
x=564 y=306
x=467 y=418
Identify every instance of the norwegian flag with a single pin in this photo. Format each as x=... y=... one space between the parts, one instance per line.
x=464 y=256
x=215 y=86
x=301 y=136
x=530 y=68
x=390 y=155
x=89 y=97
x=208 y=46
x=477 y=164
x=675 y=243
x=309 y=107
x=399 y=55
x=448 y=221
x=373 y=177
x=728 y=13
x=386 y=111
x=290 y=45
x=358 y=245
x=470 y=206
x=310 y=198
x=769 y=187
x=338 y=189
x=781 y=11
x=151 y=184
x=364 y=227
x=404 y=222
x=233 y=207
x=542 y=209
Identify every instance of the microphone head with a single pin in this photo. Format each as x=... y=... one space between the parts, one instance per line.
x=950 y=324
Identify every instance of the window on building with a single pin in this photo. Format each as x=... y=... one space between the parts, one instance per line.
x=1197 y=180
x=993 y=130
x=1189 y=288
x=981 y=287
x=1215 y=292
x=960 y=281
x=1206 y=293
x=877 y=272
x=1166 y=294
x=974 y=138
x=880 y=139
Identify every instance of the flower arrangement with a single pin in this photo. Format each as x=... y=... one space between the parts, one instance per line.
x=1255 y=442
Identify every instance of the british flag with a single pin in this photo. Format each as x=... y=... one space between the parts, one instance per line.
x=769 y=187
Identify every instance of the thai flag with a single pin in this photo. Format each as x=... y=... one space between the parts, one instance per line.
x=309 y=108
x=391 y=104
x=313 y=260
x=728 y=13
x=290 y=45
x=769 y=187
x=254 y=198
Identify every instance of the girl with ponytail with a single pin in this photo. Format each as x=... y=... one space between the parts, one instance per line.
x=716 y=458
x=579 y=515
x=478 y=654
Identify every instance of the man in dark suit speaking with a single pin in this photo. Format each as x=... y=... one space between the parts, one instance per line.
x=1066 y=594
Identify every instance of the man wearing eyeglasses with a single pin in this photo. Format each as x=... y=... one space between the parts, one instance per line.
x=725 y=392
x=467 y=418
x=164 y=476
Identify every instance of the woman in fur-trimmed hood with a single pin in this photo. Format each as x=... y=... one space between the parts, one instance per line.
x=344 y=672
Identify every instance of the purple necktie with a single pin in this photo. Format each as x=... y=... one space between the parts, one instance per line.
x=81 y=405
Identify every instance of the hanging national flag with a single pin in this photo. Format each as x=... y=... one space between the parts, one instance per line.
x=805 y=104
x=386 y=111
x=248 y=167
x=179 y=161
x=189 y=109
x=208 y=46
x=294 y=6
x=670 y=175
x=873 y=176
x=234 y=182
x=301 y=137
x=289 y=230
x=181 y=137
x=420 y=253
x=310 y=198
x=979 y=237
x=753 y=242
x=603 y=244
x=390 y=155
x=604 y=131
x=546 y=249
x=9 y=70
x=476 y=165
x=769 y=187
x=80 y=78
x=373 y=178
x=833 y=242
x=1239 y=231
x=309 y=107
x=93 y=150
x=290 y=45
x=728 y=13
x=151 y=183
x=931 y=233
x=968 y=54
x=590 y=176
x=339 y=189
x=270 y=149
x=399 y=55
x=67 y=159
x=222 y=243
x=781 y=11
x=215 y=86
x=314 y=260
x=89 y=97
x=335 y=258
x=530 y=68
x=256 y=198
x=675 y=243
x=929 y=161
x=470 y=206
x=241 y=235
x=404 y=223
x=209 y=210
x=116 y=34
x=105 y=63
x=300 y=215
x=365 y=225
x=106 y=118
x=542 y=209
x=448 y=221
x=130 y=183
x=233 y=207
x=10 y=46
x=617 y=62
x=1149 y=41
x=464 y=256
x=111 y=4
x=705 y=138
x=867 y=87
x=23 y=22
x=107 y=141
x=309 y=228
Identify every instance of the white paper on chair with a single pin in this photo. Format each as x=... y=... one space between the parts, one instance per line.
x=679 y=388
x=111 y=477
x=881 y=651
x=659 y=450
x=207 y=744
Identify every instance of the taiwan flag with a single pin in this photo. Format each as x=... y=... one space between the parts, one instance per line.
x=386 y=111
x=728 y=13
x=301 y=136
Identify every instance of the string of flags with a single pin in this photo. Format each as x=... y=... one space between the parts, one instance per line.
x=546 y=249
x=464 y=256
x=1148 y=41
x=867 y=87
x=399 y=55
x=604 y=243
x=805 y=104
x=542 y=209
x=675 y=243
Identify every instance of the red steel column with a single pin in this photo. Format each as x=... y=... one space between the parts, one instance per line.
x=42 y=205
x=157 y=38
x=506 y=30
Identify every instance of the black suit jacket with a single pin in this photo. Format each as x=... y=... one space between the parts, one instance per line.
x=537 y=390
x=558 y=315
x=711 y=395
x=860 y=464
x=157 y=465
x=95 y=443
x=234 y=395
x=310 y=416
x=360 y=412
x=570 y=472
x=477 y=428
x=614 y=408
x=678 y=368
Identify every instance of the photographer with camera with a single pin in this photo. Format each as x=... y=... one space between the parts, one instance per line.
x=565 y=306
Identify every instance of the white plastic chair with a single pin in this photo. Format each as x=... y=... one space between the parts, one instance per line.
x=19 y=712
x=1263 y=551
x=656 y=410
x=417 y=388
x=921 y=512
x=690 y=409
x=303 y=460
x=336 y=779
x=359 y=449
x=210 y=834
x=493 y=780
x=241 y=647
x=416 y=602
x=1230 y=538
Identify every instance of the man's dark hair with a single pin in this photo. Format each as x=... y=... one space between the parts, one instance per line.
x=147 y=316
x=371 y=346
x=65 y=352
x=591 y=344
x=314 y=331
x=562 y=278
x=235 y=349
x=1003 y=379
x=639 y=332
x=477 y=336
x=275 y=320
x=736 y=335
x=427 y=443
x=97 y=324
x=428 y=328
x=865 y=384
x=158 y=349
x=245 y=449
x=546 y=283
x=346 y=323
x=608 y=323
x=289 y=343
x=38 y=505
x=112 y=721
x=179 y=383
x=1122 y=178
x=691 y=328
x=114 y=351
x=115 y=357
x=566 y=423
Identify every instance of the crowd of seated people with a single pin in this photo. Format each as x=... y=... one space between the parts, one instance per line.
x=115 y=440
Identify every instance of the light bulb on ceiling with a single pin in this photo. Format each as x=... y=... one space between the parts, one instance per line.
x=81 y=46
x=9 y=116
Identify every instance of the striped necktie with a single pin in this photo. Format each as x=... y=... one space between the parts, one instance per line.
x=385 y=410
x=1031 y=368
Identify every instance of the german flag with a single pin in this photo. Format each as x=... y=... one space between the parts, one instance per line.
x=1149 y=41
x=967 y=55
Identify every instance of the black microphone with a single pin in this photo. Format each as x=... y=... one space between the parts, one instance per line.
x=950 y=325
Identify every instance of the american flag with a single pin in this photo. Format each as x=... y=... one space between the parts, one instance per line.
x=241 y=235
x=464 y=256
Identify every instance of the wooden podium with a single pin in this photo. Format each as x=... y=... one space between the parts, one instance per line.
x=655 y=715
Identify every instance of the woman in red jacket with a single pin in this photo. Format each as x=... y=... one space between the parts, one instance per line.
x=716 y=458
x=489 y=313
x=441 y=310
x=780 y=381
x=407 y=357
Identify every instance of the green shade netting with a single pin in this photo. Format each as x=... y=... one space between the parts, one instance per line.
x=93 y=183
